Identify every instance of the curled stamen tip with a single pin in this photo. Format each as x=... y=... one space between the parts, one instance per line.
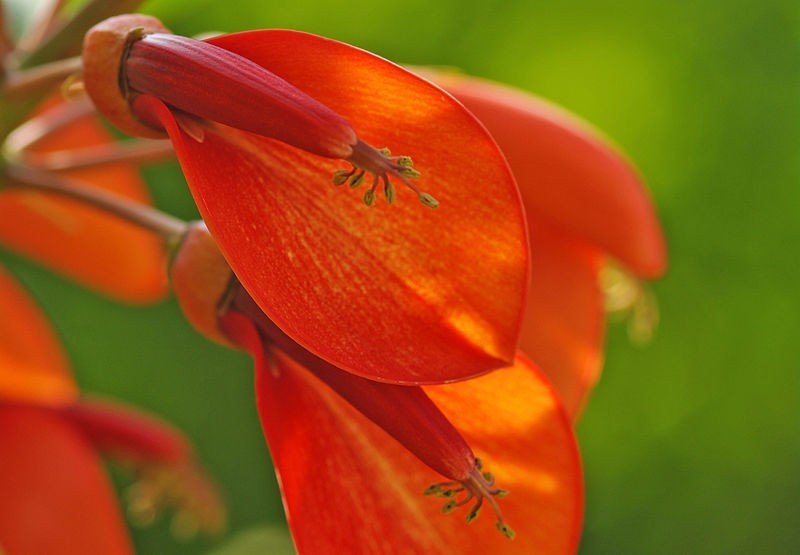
x=500 y=493
x=428 y=200
x=505 y=529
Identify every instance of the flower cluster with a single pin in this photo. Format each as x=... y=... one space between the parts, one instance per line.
x=397 y=349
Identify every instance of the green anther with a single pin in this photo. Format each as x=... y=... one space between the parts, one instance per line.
x=501 y=493
x=432 y=490
x=410 y=173
x=449 y=507
x=428 y=200
x=448 y=493
x=385 y=151
x=473 y=514
x=488 y=476
x=388 y=190
x=340 y=176
x=405 y=161
x=506 y=530
x=356 y=180
x=369 y=197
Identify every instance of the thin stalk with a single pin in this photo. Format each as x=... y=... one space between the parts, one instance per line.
x=137 y=152
x=46 y=19
x=145 y=217
x=66 y=38
x=35 y=129
x=21 y=83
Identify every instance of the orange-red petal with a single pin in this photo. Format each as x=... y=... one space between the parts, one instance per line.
x=81 y=242
x=400 y=293
x=33 y=367
x=348 y=487
x=568 y=172
x=55 y=498
x=565 y=318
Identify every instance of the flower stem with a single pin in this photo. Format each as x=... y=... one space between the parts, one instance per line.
x=25 y=177
x=45 y=20
x=138 y=151
x=21 y=83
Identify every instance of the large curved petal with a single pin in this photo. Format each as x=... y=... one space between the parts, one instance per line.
x=83 y=243
x=568 y=172
x=565 y=318
x=56 y=499
x=349 y=488
x=33 y=367
x=398 y=293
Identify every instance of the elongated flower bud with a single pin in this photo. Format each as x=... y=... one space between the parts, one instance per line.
x=131 y=60
x=201 y=79
x=214 y=84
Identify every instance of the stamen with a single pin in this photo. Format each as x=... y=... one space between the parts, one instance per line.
x=627 y=297
x=477 y=486
x=381 y=164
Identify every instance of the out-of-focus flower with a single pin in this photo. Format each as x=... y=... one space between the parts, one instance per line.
x=354 y=456
x=586 y=206
x=93 y=247
x=260 y=122
x=56 y=498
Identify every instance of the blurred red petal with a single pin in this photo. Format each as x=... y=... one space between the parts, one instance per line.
x=350 y=487
x=129 y=434
x=56 y=499
x=568 y=172
x=33 y=367
x=81 y=242
x=400 y=293
x=565 y=318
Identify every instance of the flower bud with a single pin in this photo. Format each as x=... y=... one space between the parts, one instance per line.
x=201 y=279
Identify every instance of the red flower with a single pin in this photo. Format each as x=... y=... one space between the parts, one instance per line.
x=354 y=456
x=585 y=205
x=400 y=294
x=56 y=497
x=90 y=246
x=337 y=293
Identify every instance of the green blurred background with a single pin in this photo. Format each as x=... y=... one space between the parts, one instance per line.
x=691 y=444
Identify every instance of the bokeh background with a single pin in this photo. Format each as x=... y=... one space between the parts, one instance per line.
x=691 y=443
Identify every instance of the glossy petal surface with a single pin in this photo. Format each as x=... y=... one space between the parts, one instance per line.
x=568 y=173
x=80 y=242
x=33 y=367
x=56 y=499
x=565 y=317
x=348 y=487
x=399 y=293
